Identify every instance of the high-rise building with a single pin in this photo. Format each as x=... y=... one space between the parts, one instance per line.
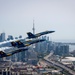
x=2 y=37
x=10 y=37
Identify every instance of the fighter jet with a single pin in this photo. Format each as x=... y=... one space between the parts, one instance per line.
x=9 y=48
x=8 y=51
x=30 y=35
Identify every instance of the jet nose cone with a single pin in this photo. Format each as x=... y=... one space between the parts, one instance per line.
x=52 y=31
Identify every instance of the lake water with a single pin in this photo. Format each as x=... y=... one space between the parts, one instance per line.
x=71 y=47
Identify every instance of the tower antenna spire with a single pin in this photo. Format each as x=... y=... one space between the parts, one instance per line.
x=33 y=27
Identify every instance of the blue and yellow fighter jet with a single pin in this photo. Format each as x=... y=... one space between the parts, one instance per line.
x=8 y=48
x=30 y=35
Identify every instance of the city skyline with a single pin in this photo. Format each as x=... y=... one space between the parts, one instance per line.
x=16 y=17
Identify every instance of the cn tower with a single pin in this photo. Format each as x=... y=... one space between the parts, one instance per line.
x=33 y=28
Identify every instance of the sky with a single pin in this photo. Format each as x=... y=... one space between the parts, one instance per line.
x=16 y=17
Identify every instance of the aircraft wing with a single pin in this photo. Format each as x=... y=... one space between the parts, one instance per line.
x=29 y=42
x=17 y=50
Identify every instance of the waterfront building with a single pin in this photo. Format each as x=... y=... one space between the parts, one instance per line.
x=68 y=61
x=62 y=50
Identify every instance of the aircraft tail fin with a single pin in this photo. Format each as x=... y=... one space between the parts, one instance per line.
x=30 y=35
x=2 y=54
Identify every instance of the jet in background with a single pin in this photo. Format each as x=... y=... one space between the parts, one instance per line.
x=11 y=47
x=30 y=35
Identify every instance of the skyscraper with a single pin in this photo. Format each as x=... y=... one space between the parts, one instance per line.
x=2 y=37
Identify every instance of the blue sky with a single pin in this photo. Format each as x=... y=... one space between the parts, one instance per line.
x=16 y=17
